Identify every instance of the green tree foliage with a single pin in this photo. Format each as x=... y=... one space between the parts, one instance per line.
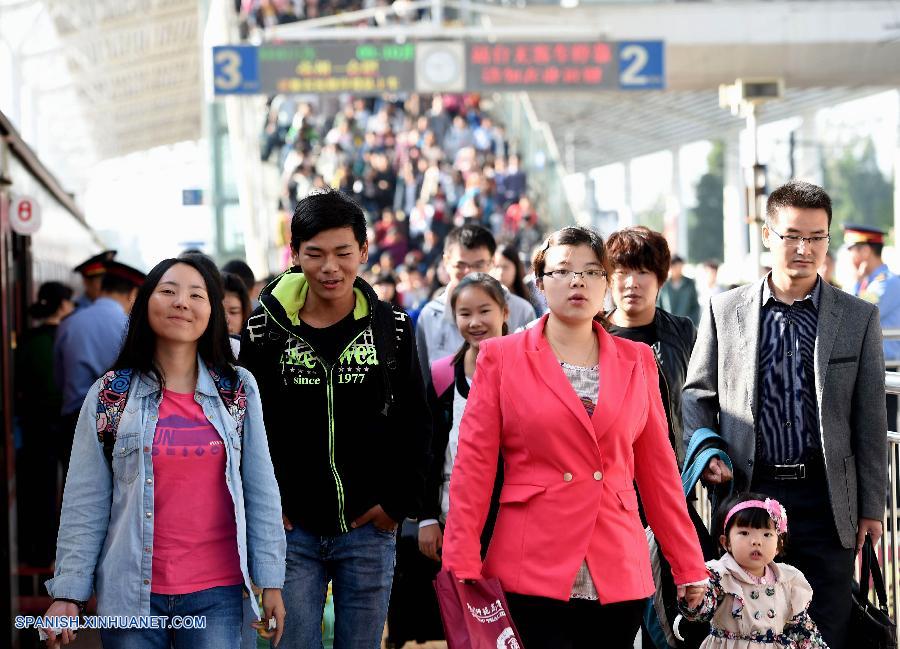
x=705 y=220
x=653 y=217
x=859 y=192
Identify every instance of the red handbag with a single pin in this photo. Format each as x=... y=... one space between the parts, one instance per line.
x=475 y=613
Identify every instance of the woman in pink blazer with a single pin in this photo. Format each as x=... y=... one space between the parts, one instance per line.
x=577 y=417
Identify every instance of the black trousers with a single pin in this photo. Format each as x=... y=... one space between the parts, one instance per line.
x=814 y=548
x=545 y=623
x=37 y=492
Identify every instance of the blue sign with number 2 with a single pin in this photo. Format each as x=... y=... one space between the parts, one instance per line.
x=642 y=65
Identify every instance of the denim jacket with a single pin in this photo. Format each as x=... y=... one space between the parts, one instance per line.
x=106 y=530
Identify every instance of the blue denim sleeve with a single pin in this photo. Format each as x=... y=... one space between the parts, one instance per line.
x=266 y=544
x=87 y=500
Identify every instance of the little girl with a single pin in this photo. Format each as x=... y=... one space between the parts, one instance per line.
x=480 y=310
x=750 y=598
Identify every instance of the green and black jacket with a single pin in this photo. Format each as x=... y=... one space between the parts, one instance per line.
x=343 y=436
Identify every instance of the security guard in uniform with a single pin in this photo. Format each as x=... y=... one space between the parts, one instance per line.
x=878 y=285
x=91 y=271
x=88 y=342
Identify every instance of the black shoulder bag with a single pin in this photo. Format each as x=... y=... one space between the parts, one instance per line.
x=871 y=626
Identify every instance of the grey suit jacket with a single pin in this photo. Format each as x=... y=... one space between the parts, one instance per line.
x=721 y=393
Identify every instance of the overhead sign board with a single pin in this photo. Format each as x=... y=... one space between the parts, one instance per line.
x=320 y=68
x=438 y=66
x=540 y=66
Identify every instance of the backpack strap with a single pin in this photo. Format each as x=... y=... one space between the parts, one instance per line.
x=113 y=396
x=442 y=374
x=231 y=391
x=387 y=331
x=111 y=402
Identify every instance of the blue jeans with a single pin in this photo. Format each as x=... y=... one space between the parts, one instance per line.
x=221 y=606
x=249 y=637
x=360 y=565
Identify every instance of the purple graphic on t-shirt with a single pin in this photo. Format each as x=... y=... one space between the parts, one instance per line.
x=174 y=432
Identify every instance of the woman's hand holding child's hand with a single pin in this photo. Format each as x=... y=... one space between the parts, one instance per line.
x=692 y=595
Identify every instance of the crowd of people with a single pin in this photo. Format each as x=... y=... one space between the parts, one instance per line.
x=418 y=166
x=257 y=15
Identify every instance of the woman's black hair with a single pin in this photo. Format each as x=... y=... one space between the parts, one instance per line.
x=518 y=284
x=755 y=518
x=436 y=284
x=139 y=349
x=242 y=269
x=388 y=278
x=233 y=283
x=490 y=286
x=49 y=298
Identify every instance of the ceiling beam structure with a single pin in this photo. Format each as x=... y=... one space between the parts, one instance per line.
x=135 y=67
x=617 y=126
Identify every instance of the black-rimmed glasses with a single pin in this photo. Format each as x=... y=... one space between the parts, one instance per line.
x=592 y=274
x=794 y=240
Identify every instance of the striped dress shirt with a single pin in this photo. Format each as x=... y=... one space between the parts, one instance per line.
x=787 y=425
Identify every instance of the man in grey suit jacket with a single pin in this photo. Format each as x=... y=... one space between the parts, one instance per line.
x=790 y=372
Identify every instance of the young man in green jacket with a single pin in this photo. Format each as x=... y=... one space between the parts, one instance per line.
x=347 y=420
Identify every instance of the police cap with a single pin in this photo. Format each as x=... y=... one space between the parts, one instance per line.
x=124 y=271
x=854 y=234
x=95 y=265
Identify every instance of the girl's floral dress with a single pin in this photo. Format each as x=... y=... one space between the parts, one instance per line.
x=748 y=612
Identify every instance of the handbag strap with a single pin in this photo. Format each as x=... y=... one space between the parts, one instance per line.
x=870 y=566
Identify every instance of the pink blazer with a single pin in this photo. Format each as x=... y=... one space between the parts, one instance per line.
x=568 y=491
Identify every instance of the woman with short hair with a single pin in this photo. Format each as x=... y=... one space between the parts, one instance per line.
x=640 y=265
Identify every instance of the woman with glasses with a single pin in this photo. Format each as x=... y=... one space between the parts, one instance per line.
x=576 y=415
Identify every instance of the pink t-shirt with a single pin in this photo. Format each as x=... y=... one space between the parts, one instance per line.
x=194 y=532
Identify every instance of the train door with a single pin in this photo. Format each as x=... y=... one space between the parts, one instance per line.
x=14 y=295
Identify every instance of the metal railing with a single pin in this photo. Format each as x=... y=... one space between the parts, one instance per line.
x=887 y=549
x=533 y=141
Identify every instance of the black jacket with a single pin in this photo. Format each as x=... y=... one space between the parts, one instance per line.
x=675 y=342
x=442 y=410
x=673 y=353
x=347 y=435
x=441 y=406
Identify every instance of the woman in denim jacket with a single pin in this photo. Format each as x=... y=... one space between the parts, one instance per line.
x=188 y=510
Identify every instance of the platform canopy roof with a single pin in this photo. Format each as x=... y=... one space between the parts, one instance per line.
x=610 y=127
x=133 y=77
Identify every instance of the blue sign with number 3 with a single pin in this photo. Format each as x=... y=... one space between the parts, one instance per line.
x=236 y=70
x=642 y=65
